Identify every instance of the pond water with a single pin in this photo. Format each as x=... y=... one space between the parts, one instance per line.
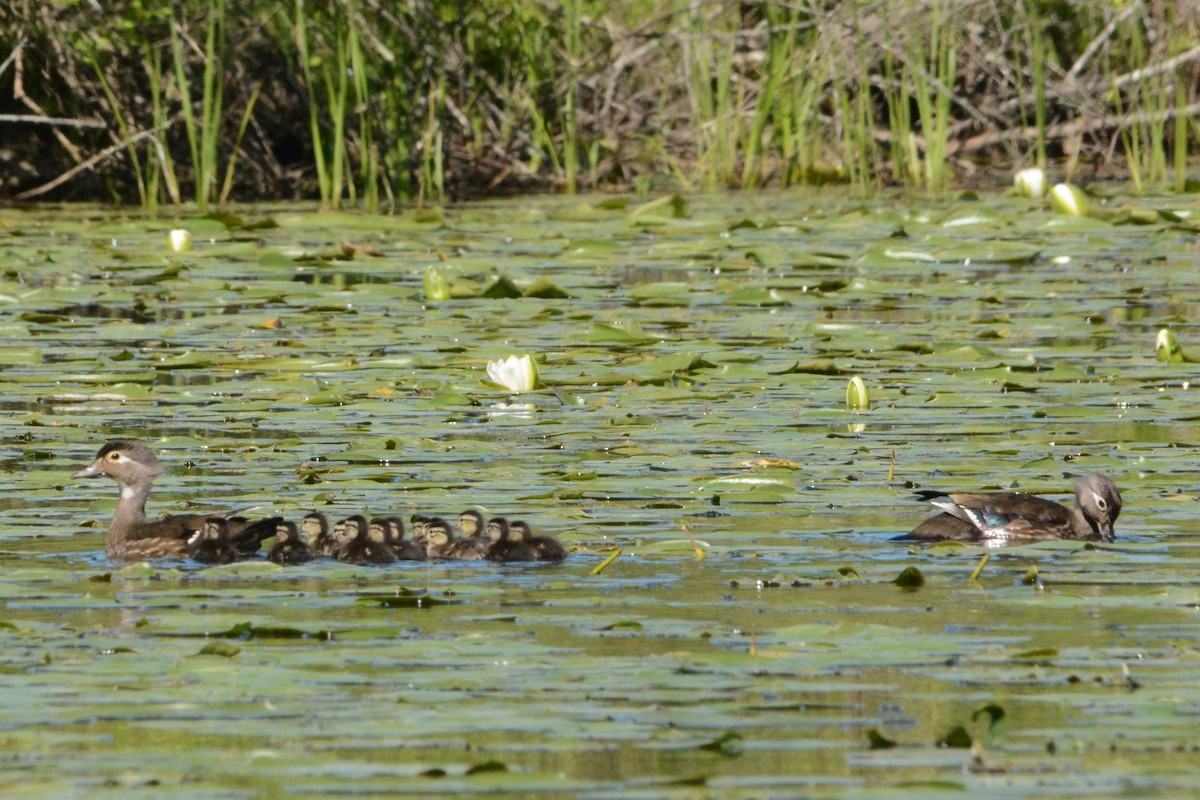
x=696 y=356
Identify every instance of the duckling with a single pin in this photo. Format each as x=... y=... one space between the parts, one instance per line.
x=472 y=547
x=404 y=549
x=545 y=548
x=343 y=532
x=212 y=545
x=365 y=543
x=289 y=548
x=470 y=523
x=439 y=539
x=131 y=536
x=315 y=530
x=419 y=525
x=504 y=547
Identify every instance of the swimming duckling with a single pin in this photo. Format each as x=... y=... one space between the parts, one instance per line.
x=545 y=548
x=1009 y=516
x=289 y=548
x=475 y=546
x=343 y=532
x=131 y=536
x=404 y=549
x=504 y=548
x=314 y=528
x=365 y=543
x=439 y=539
x=419 y=524
x=470 y=523
x=212 y=545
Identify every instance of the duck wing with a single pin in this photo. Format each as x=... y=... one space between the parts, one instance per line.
x=1008 y=516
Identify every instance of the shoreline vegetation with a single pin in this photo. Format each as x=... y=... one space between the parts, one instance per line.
x=371 y=104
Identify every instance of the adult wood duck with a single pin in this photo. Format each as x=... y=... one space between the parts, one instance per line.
x=289 y=548
x=212 y=545
x=504 y=548
x=1008 y=516
x=545 y=548
x=131 y=536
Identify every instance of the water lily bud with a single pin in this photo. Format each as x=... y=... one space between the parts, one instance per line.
x=180 y=240
x=857 y=397
x=515 y=373
x=436 y=285
x=1030 y=182
x=1066 y=198
x=1166 y=347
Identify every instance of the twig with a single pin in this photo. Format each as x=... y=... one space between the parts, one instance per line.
x=1068 y=130
x=1100 y=39
x=91 y=162
x=13 y=55
x=40 y=120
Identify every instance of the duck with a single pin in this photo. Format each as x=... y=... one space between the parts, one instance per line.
x=1000 y=517
x=363 y=542
x=419 y=525
x=314 y=528
x=212 y=545
x=504 y=548
x=439 y=538
x=474 y=542
x=133 y=537
x=545 y=548
x=470 y=523
x=405 y=549
x=289 y=548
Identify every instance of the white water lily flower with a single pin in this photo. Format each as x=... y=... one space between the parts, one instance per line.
x=180 y=240
x=1030 y=182
x=1068 y=199
x=515 y=373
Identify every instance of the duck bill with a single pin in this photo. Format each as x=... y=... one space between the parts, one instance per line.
x=1106 y=533
x=90 y=471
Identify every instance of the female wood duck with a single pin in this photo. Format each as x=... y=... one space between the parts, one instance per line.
x=504 y=548
x=405 y=549
x=289 y=548
x=364 y=543
x=545 y=548
x=474 y=542
x=439 y=538
x=131 y=536
x=1007 y=516
x=212 y=545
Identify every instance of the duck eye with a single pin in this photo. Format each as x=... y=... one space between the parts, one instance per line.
x=114 y=456
x=1101 y=504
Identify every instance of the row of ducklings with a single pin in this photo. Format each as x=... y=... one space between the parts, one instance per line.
x=356 y=540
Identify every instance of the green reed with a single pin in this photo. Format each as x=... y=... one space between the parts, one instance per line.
x=203 y=133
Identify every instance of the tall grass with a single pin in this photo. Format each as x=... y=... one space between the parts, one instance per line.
x=397 y=101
